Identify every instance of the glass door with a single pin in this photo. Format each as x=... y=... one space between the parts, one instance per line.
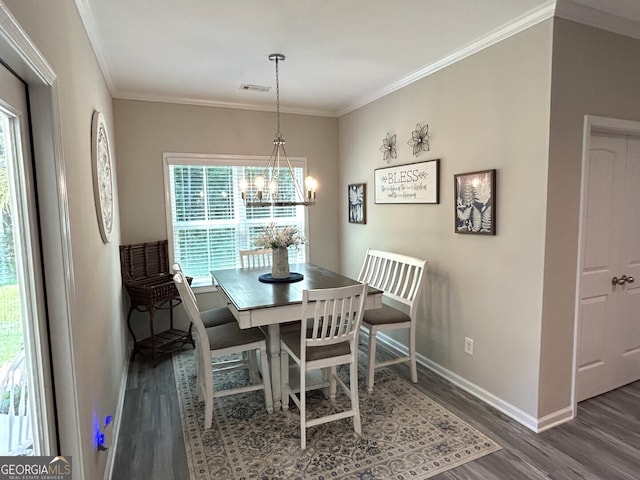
x=25 y=380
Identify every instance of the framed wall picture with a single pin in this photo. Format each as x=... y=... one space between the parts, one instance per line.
x=358 y=203
x=475 y=202
x=411 y=183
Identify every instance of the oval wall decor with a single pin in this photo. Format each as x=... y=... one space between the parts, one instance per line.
x=102 y=175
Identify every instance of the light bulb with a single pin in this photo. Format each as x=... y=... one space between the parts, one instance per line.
x=311 y=184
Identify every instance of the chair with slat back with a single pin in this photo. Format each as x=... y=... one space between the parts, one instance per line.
x=256 y=258
x=401 y=278
x=220 y=341
x=210 y=318
x=330 y=340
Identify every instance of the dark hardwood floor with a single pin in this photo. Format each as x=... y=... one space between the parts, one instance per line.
x=602 y=443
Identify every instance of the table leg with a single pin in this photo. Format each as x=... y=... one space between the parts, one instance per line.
x=274 y=361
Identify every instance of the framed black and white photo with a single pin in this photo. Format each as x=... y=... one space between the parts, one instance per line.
x=358 y=203
x=475 y=202
x=411 y=183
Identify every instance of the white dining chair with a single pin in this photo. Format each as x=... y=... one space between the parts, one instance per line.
x=212 y=317
x=216 y=342
x=256 y=258
x=331 y=339
x=401 y=279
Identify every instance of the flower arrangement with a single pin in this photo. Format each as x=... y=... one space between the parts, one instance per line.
x=274 y=237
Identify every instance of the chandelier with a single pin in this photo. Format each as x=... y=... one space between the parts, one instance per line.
x=277 y=170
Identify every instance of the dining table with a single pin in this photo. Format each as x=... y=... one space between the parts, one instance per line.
x=256 y=303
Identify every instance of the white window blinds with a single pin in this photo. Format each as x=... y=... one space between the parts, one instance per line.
x=207 y=223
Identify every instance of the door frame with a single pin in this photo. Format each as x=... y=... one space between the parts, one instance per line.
x=592 y=125
x=21 y=55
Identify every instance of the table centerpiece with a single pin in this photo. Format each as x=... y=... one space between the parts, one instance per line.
x=279 y=239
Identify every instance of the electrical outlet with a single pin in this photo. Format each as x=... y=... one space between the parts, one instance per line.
x=468 y=345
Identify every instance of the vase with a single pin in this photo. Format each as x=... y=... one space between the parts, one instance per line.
x=280 y=265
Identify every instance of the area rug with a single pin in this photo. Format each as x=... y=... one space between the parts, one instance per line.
x=405 y=434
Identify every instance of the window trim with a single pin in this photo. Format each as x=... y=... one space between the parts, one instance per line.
x=211 y=159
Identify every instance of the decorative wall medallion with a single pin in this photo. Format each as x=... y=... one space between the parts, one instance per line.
x=388 y=148
x=419 y=140
x=102 y=175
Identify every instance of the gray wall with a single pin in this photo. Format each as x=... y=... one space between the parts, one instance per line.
x=144 y=130
x=595 y=73
x=97 y=328
x=490 y=110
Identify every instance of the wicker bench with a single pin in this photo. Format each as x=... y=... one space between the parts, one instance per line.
x=149 y=283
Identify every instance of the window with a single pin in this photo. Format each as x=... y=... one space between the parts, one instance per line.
x=207 y=223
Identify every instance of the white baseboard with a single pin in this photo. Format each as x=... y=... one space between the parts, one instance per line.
x=117 y=417
x=555 y=418
x=536 y=424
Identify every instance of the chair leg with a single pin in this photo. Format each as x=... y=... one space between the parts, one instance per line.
x=284 y=379
x=252 y=360
x=266 y=378
x=412 y=353
x=208 y=400
x=372 y=359
x=303 y=408
x=355 y=403
x=198 y=374
x=332 y=383
x=200 y=380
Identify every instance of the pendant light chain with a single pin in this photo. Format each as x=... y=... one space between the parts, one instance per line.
x=278 y=132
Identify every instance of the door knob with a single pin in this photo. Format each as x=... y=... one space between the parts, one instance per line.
x=622 y=280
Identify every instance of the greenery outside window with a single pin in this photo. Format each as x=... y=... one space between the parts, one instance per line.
x=207 y=223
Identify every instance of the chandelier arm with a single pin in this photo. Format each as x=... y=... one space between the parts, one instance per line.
x=298 y=189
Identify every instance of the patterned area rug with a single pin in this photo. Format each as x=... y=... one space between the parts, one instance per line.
x=405 y=434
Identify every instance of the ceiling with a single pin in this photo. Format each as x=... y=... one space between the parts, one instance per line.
x=340 y=54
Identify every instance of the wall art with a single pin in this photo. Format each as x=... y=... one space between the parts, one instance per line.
x=411 y=183
x=358 y=203
x=475 y=202
x=419 y=140
x=388 y=148
x=102 y=175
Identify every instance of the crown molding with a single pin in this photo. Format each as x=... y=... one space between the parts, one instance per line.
x=531 y=18
x=90 y=27
x=220 y=104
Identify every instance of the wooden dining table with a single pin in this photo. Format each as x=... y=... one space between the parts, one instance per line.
x=259 y=304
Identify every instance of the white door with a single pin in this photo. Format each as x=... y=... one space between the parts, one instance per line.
x=608 y=353
x=26 y=417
